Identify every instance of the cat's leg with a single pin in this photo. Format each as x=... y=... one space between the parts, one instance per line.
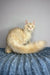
x=25 y=43
x=8 y=49
x=28 y=42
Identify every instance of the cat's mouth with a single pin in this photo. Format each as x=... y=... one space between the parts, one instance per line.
x=30 y=29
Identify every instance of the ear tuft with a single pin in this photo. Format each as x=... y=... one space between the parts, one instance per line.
x=26 y=21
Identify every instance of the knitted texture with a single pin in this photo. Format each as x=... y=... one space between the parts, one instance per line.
x=25 y=64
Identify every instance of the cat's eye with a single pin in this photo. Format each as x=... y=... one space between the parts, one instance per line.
x=32 y=26
x=28 y=26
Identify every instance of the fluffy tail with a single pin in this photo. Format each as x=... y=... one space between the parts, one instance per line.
x=29 y=48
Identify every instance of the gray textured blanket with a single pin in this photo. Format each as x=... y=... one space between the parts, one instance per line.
x=25 y=64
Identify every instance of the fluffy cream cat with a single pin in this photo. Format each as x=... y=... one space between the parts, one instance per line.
x=18 y=40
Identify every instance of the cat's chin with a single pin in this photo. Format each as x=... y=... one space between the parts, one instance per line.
x=30 y=30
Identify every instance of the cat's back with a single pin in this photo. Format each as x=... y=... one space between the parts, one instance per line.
x=15 y=33
x=14 y=30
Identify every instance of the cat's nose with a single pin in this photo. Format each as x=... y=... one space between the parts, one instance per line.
x=30 y=28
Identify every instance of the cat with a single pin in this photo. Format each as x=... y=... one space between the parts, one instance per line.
x=18 y=40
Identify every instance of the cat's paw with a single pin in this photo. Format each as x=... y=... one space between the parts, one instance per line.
x=8 y=51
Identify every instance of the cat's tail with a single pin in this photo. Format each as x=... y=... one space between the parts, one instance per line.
x=29 y=48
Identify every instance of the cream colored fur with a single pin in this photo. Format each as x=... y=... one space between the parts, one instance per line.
x=18 y=40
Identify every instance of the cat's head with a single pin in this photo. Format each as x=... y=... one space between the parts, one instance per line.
x=29 y=26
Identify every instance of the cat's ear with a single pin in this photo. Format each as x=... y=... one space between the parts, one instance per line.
x=33 y=22
x=26 y=21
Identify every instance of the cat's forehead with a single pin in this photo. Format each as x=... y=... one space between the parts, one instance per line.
x=30 y=24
